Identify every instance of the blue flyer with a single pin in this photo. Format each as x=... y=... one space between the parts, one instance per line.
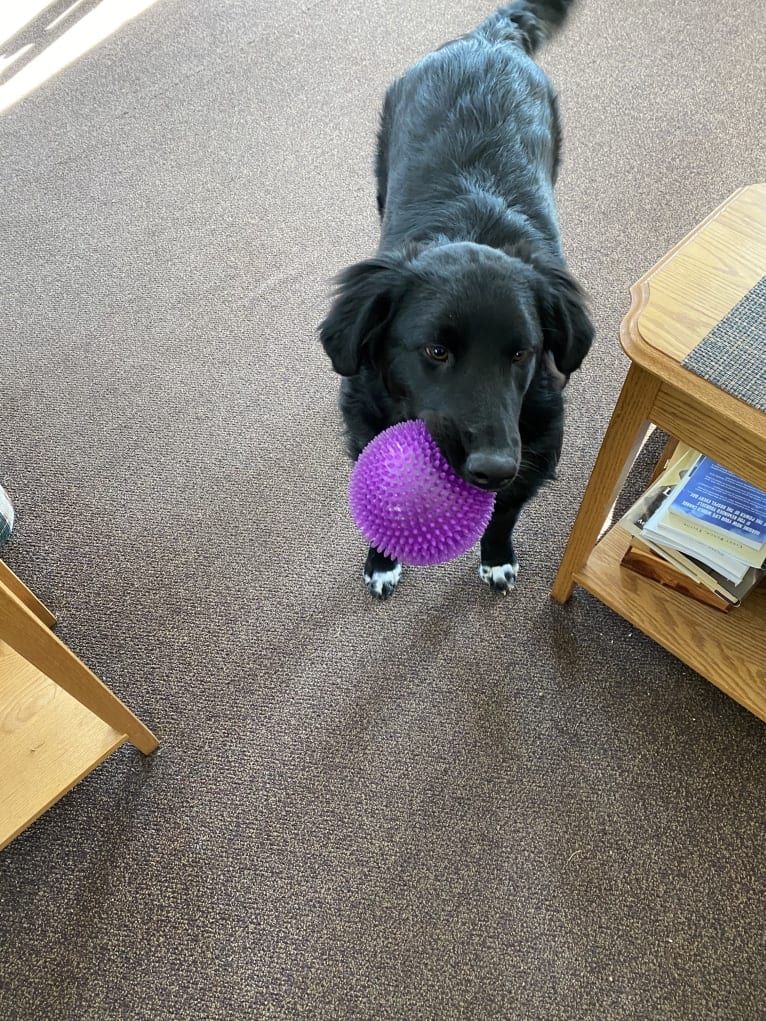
x=715 y=496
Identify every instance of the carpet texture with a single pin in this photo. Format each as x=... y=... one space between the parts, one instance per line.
x=450 y=806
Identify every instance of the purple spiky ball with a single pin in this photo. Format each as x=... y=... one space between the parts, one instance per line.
x=410 y=504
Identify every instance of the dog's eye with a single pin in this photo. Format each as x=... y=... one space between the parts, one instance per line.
x=437 y=352
x=521 y=356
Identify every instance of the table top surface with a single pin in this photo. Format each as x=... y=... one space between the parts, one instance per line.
x=679 y=301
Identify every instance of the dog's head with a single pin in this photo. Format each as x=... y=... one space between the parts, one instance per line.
x=458 y=333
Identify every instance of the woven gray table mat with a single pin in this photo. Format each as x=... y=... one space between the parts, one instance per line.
x=733 y=354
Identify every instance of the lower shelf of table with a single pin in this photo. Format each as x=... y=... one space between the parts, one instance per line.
x=48 y=743
x=726 y=648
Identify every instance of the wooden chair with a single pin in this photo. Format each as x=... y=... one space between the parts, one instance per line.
x=58 y=721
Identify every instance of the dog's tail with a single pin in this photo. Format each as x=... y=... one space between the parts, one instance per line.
x=528 y=23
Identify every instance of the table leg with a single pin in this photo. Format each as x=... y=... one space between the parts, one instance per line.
x=627 y=430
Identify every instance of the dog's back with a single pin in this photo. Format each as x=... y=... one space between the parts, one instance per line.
x=476 y=113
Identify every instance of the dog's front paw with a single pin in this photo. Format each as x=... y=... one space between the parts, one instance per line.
x=381 y=584
x=381 y=575
x=500 y=577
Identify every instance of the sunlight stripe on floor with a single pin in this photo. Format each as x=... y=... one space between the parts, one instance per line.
x=15 y=15
x=92 y=29
x=66 y=14
x=6 y=62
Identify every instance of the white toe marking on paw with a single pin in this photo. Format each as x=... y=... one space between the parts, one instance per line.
x=383 y=581
x=502 y=576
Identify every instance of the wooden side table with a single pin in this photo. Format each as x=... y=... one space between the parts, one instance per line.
x=674 y=306
x=58 y=721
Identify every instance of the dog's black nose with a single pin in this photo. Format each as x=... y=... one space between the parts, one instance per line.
x=490 y=471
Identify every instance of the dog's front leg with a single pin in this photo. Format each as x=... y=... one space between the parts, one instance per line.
x=499 y=566
x=381 y=574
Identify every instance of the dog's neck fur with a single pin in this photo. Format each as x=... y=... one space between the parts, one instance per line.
x=481 y=217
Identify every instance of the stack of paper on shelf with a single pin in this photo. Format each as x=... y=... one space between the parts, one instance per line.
x=706 y=523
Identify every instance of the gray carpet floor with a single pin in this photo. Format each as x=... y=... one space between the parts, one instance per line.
x=448 y=806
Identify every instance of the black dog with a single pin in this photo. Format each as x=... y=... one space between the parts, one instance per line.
x=467 y=317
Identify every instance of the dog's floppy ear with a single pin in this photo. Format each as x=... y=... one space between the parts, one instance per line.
x=567 y=329
x=365 y=300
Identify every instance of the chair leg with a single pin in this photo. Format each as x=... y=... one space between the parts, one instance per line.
x=29 y=599
x=627 y=431
x=32 y=639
